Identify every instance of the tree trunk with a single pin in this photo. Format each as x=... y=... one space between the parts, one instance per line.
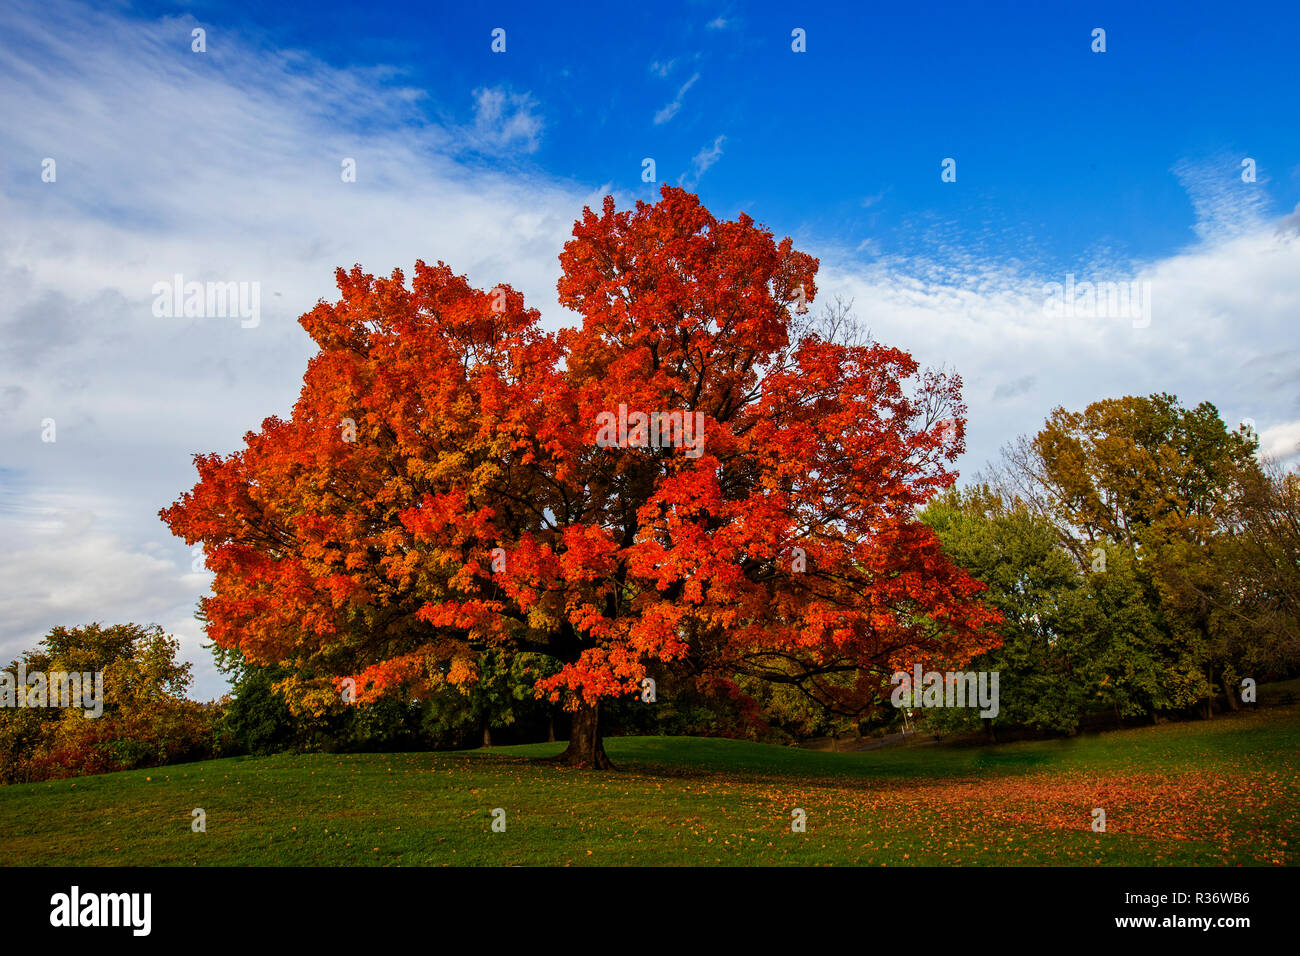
x=550 y=730
x=487 y=735
x=586 y=748
x=1232 y=701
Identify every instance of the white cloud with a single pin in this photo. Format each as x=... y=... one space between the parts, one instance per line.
x=1290 y=225
x=220 y=166
x=1281 y=441
x=1222 y=328
x=62 y=568
x=506 y=120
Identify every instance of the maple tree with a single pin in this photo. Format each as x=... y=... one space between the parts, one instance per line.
x=440 y=489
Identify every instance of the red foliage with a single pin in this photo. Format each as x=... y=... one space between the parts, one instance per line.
x=477 y=430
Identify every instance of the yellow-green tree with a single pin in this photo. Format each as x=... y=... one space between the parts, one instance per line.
x=1163 y=483
x=145 y=717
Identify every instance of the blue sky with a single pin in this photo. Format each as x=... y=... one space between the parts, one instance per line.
x=1060 y=150
x=1115 y=167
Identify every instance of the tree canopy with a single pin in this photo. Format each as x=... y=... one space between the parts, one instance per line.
x=440 y=488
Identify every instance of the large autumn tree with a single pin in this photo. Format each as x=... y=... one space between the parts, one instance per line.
x=440 y=489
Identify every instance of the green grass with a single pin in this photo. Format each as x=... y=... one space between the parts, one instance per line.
x=1211 y=793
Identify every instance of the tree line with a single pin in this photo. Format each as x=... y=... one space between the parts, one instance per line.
x=1144 y=560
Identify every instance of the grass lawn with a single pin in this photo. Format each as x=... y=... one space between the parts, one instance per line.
x=1215 y=792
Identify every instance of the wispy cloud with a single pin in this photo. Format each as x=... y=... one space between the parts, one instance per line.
x=670 y=110
x=1224 y=204
x=702 y=161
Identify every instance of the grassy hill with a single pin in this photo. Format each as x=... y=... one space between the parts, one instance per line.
x=1218 y=792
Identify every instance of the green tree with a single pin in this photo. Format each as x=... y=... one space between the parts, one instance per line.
x=1155 y=479
x=1038 y=587
x=501 y=696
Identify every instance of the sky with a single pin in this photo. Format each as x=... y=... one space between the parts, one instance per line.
x=953 y=166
